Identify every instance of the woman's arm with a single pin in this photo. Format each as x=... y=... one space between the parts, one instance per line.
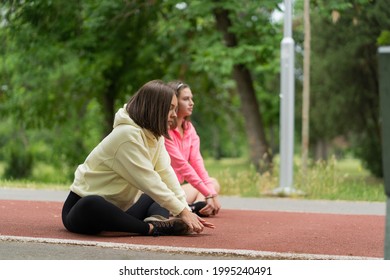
x=196 y=160
x=133 y=163
x=184 y=168
x=167 y=174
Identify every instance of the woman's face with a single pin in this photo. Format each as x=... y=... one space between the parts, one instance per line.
x=186 y=103
x=172 y=111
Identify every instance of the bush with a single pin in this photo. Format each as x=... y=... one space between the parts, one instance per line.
x=370 y=153
x=19 y=164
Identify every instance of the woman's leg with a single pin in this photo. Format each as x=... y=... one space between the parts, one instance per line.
x=93 y=214
x=194 y=195
x=146 y=207
x=216 y=185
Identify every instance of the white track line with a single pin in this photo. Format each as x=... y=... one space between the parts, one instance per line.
x=252 y=254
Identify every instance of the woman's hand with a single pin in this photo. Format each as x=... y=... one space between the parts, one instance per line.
x=217 y=205
x=194 y=222
x=212 y=207
x=209 y=208
x=205 y=223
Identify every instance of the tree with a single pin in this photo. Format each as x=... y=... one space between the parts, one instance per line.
x=61 y=58
x=259 y=148
x=234 y=52
x=345 y=75
x=66 y=66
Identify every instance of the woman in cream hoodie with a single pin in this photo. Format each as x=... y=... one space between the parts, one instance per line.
x=132 y=159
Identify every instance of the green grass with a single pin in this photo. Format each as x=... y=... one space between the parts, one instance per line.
x=28 y=184
x=44 y=177
x=333 y=180
x=341 y=180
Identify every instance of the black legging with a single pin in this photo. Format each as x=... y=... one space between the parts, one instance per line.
x=93 y=214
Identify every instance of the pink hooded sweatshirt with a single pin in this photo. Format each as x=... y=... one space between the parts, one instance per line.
x=187 y=161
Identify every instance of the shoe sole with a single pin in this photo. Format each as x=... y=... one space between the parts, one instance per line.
x=155 y=219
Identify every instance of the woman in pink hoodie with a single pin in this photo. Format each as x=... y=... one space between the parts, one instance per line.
x=186 y=159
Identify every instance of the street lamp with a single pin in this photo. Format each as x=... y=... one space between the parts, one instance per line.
x=384 y=89
x=287 y=89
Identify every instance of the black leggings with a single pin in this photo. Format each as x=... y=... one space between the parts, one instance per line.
x=93 y=214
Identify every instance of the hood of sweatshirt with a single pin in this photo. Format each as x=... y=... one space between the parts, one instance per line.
x=123 y=118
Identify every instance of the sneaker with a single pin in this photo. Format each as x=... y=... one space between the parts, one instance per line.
x=155 y=218
x=197 y=206
x=173 y=226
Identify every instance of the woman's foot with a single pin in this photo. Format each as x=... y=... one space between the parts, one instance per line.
x=197 y=206
x=173 y=226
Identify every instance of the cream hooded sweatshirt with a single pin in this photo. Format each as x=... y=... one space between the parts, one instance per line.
x=130 y=159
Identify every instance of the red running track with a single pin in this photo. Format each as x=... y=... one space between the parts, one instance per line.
x=360 y=236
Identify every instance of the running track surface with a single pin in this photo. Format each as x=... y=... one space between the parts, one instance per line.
x=357 y=236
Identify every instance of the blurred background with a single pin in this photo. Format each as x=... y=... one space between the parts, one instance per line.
x=67 y=66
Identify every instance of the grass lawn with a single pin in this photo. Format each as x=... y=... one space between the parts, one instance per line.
x=334 y=180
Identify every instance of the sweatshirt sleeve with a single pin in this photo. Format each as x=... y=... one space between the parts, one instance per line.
x=185 y=168
x=133 y=163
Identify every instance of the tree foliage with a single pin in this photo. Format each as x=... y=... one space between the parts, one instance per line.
x=345 y=78
x=66 y=67
x=61 y=58
x=207 y=47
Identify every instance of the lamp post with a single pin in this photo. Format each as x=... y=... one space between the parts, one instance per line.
x=287 y=88
x=384 y=88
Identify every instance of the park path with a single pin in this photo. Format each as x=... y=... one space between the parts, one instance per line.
x=254 y=233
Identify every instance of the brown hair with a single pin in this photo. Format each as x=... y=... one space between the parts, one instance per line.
x=149 y=107
x=178 y=86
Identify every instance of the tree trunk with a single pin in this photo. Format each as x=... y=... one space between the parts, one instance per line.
x=260 y=152
x=108 y=109
x=321 y=150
